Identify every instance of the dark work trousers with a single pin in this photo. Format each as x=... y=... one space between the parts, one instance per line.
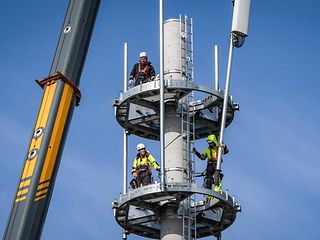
x=210 y=173
x=143 y=178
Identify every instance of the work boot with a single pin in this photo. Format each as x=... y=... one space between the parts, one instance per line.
x=208 y=198
x=218 y=188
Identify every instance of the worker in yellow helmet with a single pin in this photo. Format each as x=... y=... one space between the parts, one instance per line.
x=142 y=165
x=211 y=153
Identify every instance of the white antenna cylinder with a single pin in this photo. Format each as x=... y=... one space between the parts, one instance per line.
x=240 y=20
x=175 y=64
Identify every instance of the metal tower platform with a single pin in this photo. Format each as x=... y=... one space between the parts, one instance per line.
x=139 y=210
x=137 y=110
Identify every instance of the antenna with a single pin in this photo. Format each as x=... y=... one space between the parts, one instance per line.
x=240 y=21
x=238 y=33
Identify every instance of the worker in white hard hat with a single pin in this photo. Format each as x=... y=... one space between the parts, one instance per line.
x=142 y=71
x=142 y=167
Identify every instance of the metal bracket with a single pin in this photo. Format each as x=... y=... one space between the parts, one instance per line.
x=59 y=76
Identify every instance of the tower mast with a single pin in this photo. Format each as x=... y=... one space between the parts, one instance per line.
x=168 y=210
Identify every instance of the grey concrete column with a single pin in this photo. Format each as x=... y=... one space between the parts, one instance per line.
x=171 y=224
x=176 y=166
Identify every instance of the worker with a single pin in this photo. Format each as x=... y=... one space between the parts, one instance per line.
x=142 y=164
x=211 y=153
x=142 y=71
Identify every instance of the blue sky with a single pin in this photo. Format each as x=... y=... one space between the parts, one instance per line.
x=273 y=166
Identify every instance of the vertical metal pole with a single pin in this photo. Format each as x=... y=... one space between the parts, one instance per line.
x=180 y=42
x=162 y=155
x=216 y=67
x=225 y=103
x=219 y=236
x=125 y=67
x=124 y=236
x=125 y=136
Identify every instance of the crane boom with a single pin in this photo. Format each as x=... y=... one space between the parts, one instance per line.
x=61 y=95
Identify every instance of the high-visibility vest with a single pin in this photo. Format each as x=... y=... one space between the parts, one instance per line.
x=147 y=160
x=210 y=153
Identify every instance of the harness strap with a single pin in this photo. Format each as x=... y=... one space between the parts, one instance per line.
x=144 y=70
x=211 y=157
x=210 y=149
x=139 y=159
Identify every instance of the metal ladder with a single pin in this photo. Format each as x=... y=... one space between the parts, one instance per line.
x=188 y=133
x=186 y=45
x=188 y=128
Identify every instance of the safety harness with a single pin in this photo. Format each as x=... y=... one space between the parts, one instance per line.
x=213 y=159
x=143 y=71
x=139 y=159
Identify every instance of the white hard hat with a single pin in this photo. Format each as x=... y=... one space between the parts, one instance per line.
x=140 y=146
x=143 y=54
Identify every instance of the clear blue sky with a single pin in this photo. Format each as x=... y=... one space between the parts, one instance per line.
x=273 y=167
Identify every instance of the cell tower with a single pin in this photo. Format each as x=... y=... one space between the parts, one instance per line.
x=165 y=110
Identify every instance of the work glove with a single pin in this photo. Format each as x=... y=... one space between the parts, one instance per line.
x=194 y=150
x=131 y=82
x=224 y=148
